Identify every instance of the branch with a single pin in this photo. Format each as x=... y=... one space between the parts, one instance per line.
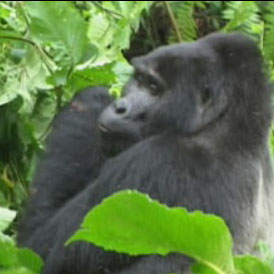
x=173 y=21
x=111 y=12
x=43 y=54
x=18 y=39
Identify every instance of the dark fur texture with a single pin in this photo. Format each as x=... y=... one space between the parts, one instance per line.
x=206 y=148
x=73 y=157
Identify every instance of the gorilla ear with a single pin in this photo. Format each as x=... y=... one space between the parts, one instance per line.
x=206 y=95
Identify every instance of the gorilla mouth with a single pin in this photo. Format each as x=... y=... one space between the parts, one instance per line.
x=103 y=128
x=111 y=132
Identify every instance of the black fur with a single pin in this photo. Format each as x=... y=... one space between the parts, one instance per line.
x=204 y=146
x=73 y=157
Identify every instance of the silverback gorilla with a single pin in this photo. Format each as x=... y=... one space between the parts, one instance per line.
x=191 y=130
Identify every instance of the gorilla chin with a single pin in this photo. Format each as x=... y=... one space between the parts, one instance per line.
x=191 y=130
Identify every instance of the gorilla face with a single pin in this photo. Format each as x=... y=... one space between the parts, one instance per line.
x=122 y=123
x=125 y=118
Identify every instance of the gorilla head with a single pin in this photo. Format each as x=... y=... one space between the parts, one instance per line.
x=185 y=88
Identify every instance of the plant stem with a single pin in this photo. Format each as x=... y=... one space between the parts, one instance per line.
x=173 y=21
x=18 y=39
x=111 y=12
x=43 y=54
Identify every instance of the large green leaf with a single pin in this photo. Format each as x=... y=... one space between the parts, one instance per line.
x=8 y=255
x=59 y=22
x=14 y=260
x=119 y=220
x=30 y=260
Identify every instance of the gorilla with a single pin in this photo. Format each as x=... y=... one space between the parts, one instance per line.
x=191 y=130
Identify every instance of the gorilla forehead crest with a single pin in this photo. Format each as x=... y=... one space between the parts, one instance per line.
x=219 y=50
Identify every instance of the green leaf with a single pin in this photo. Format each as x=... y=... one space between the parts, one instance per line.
x=33 y=76
x=15 y=260
x=242 y=15
x=59 y=22
x=184 y=14
x=5 y=11
x=30 y=260
x=101 y=75
x=6 y=218
x=8 y=255
x=123 y=71
x=43 y=114
x=269 y=32
x=9 y=92
x=119 y=220
x=251 y=265
x=129 y=10
x=266 y=253
x=17 y=270
x=111 y=30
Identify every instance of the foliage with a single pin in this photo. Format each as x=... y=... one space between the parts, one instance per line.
x=254 y=18
x=49 y=51
x=269 y=34
x=145 y=227
x=12 y=259
x=244 y=16
x=184 y=12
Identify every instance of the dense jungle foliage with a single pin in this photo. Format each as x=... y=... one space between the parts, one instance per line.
x=50 y=50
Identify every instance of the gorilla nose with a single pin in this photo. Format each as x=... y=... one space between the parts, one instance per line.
x=114 y=117
x=120 y=107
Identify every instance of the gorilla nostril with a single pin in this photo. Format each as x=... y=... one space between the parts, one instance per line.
x=120 y=110
x=120 y=106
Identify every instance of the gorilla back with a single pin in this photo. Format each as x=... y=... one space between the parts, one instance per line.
x=199 y=114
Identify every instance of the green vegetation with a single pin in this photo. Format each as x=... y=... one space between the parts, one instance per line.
x=51 y=50
x=163 y=230
x=14 y=260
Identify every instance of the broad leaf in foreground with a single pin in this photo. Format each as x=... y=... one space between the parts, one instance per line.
x=130 y=222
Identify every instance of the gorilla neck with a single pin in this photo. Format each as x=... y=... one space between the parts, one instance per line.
x=239 y=131
x=114 y=145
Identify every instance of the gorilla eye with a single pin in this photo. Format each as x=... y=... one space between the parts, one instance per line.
x=153 y=87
